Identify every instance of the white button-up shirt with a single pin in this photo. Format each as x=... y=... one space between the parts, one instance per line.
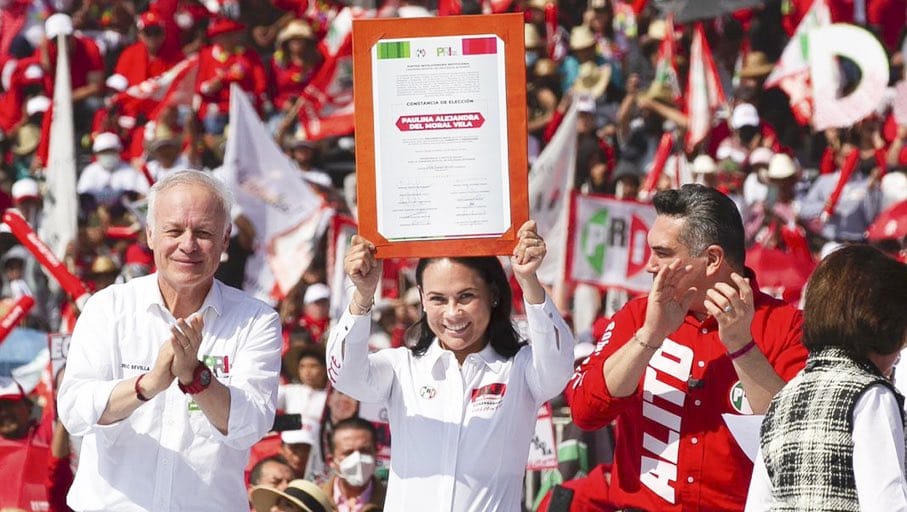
x=167 y=455
x=460 y=434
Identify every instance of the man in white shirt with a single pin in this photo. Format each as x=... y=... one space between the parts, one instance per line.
x=171 y=377
x=109 y=176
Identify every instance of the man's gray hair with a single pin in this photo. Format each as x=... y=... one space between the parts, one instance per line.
x=191 y=177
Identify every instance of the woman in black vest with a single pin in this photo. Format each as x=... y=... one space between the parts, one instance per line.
x=833 y=438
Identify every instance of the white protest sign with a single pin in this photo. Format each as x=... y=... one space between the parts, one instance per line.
x=860 y=46
x=608 y=246
x=58 y=345
x=542 y=448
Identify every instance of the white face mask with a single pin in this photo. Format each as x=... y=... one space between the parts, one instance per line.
x=357 y=468
x=109 y=161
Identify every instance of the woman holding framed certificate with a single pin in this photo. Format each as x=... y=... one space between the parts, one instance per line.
x=462 y=401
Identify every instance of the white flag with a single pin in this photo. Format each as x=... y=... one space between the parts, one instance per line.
x=550 y=184
x=61 y=206
x=287 y=214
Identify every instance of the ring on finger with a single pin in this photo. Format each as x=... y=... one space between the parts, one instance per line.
x=728 y=308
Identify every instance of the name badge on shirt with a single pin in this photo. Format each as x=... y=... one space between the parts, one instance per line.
x=487 y=399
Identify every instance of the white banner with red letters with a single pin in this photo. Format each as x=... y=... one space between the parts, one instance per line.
x=542 y=447
x=607 y=245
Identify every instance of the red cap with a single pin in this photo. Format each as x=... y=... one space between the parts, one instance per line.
x=223 y=26
x=149 y=19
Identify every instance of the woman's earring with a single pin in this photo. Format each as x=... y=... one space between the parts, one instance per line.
x=494 y=303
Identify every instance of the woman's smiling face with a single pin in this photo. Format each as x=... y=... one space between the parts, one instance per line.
x=458 y=304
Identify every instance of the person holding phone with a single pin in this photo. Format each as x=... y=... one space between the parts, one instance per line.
x=705 y=342
x=462 y=402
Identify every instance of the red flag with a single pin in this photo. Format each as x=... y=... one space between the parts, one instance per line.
x=176 y=86
x=327 y=108
x=665 y=67
x=658 y=165
x=704 y=91
x=846 y=170
x=15 y=314
x=791 y=73
x=21 y=230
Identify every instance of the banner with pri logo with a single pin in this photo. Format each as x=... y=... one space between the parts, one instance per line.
x=607 y=246
x=542 y=449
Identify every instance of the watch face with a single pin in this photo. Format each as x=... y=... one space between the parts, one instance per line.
x=204 y=377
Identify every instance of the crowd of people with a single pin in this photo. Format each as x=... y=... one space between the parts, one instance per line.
x=403 y=400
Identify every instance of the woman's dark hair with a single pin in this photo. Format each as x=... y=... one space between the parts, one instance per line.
x=856 y=300
x=500 y=333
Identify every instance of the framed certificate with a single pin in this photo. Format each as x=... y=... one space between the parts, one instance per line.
x=441 y=134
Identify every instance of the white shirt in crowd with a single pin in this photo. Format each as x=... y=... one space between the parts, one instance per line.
x=460 y=434
x=167 y=455
x=108 y=185
x=878 y=457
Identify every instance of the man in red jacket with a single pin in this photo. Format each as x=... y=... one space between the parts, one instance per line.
x=705 y=342
x=154 y=52
x=225 y=62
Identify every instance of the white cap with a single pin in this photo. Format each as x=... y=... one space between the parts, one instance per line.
x=744 y=115
x=34 y=34
x=105 y=142
x=781 y=167
x=761 y=156
x=585 y=104
x=704 y=164
x=318 y=178
x=33 y=72
x=58 y=24
x=117 y=82
x=25 y=188
x=308 y=434
x=316 y=292
x=37 y=104
x=894 y=187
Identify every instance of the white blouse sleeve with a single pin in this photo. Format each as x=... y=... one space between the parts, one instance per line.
x=878 y=451
x=351 y=369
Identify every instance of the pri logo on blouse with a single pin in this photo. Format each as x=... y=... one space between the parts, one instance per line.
x=427 y=392
x=737 y=397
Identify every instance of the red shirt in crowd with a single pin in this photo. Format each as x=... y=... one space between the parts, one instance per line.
x=289 y=80
x=242 y=67
x=137 y=64
x=12 y=102
x=84 y=59
x=673 y=450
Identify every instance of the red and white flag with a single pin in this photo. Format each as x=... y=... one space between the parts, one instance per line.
x=287 y=214
x=665 y=66
x=791 y=72
x=327 y=108
x=704 y=91
x=176 y=86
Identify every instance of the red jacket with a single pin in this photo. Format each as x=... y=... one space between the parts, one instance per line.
x=137 y=65
x=242 y=67
x=673 y=450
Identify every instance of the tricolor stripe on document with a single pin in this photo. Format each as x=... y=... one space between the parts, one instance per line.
x=393 y=50
x=480 y=46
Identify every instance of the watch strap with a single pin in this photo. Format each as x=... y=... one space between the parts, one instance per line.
x=196 y=386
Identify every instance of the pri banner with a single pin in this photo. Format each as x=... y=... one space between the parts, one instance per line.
x=607 y=245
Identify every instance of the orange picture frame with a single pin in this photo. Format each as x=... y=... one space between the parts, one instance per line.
x=366 y=34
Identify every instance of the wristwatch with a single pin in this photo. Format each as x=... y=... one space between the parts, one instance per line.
x=201 y=379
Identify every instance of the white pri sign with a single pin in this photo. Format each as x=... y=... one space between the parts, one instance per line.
x=608 y=246
x=543 y=448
